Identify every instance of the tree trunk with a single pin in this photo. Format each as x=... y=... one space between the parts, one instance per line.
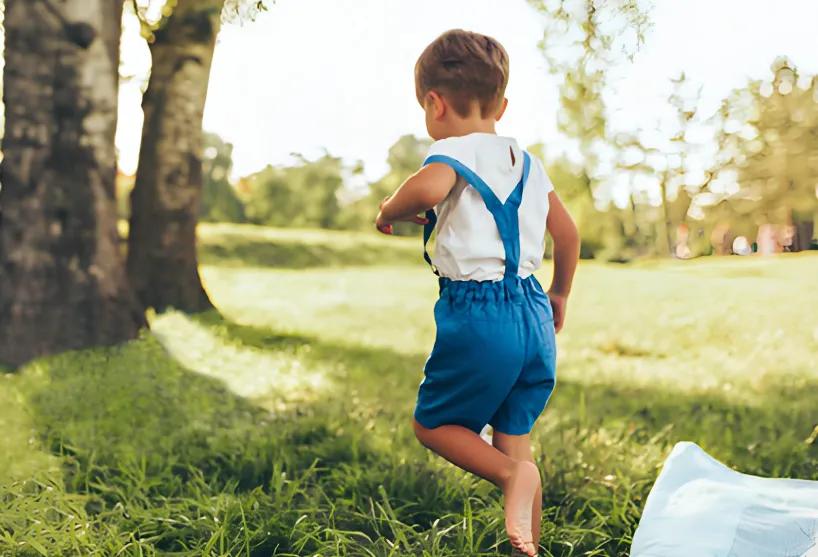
x=162 y=261
x=803 y=232
x=62 y=278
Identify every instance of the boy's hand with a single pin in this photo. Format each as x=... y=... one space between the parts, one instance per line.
x=566 y=253
x=558 y=307
x=386 y=227
x=382 y=224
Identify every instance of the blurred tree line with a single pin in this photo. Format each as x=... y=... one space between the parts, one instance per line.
x=321 y=193
x=768 y=140
x=691 y=187
x=694 y=186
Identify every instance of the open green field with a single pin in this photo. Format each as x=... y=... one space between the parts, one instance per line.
x=281 y=426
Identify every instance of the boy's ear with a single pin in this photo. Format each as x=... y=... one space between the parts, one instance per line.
x=437 y=104
x=502 y=109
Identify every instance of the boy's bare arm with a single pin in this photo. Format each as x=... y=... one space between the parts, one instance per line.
x=566 y=253
x=423 y=190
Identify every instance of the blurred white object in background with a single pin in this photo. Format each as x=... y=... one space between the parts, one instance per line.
x=700 y=507
x=741 y=246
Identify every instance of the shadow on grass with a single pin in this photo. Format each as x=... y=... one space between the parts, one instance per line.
x=351 y=362
x=173 y=458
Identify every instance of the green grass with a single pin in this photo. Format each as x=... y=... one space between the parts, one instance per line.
x=281 y=425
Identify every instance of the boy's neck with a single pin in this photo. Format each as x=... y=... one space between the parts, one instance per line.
x=464 y=126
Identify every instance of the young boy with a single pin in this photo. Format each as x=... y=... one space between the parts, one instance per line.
x=494 y=356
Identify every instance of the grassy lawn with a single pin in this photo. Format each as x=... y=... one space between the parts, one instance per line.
x=280 y=426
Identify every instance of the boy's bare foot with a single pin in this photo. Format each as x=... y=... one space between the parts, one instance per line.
x=519 y=496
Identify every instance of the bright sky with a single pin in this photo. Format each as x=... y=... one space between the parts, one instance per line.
x=321 y=74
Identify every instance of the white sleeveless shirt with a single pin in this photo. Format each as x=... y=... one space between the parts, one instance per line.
x=468 y=244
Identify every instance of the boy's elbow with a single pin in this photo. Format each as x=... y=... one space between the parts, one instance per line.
x=566 y=235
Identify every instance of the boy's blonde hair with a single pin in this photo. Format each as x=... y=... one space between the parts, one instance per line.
x=463 y=67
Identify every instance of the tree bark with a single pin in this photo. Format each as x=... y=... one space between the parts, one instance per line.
x=62 y=278
x=162 y=260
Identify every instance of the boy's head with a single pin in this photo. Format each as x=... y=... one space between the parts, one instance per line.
x=462 y=75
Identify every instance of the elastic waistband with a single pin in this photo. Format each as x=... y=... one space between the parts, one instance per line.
x=508 y=288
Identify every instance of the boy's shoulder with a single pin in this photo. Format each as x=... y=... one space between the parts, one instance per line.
x=461 y=149
x=476 y=151
x=467 y=148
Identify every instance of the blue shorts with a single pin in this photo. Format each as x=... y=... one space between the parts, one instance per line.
x=494 y=358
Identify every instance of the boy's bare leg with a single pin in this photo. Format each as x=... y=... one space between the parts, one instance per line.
x=519 y=479
x=518 y=447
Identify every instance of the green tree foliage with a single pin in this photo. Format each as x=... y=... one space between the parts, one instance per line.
x=582 y=41
x=769 y=152
x=303 y=195
x=326 y=193
x=219 y=199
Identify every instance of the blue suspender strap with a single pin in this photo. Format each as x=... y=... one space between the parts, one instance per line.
x=511 y=239
x=431 y=217
x=505 y=214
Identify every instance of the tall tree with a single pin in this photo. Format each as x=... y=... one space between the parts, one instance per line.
x=63 y=281
x=162 y=261
x=165 y=201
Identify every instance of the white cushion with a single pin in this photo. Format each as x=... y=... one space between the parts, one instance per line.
x=699 y=507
